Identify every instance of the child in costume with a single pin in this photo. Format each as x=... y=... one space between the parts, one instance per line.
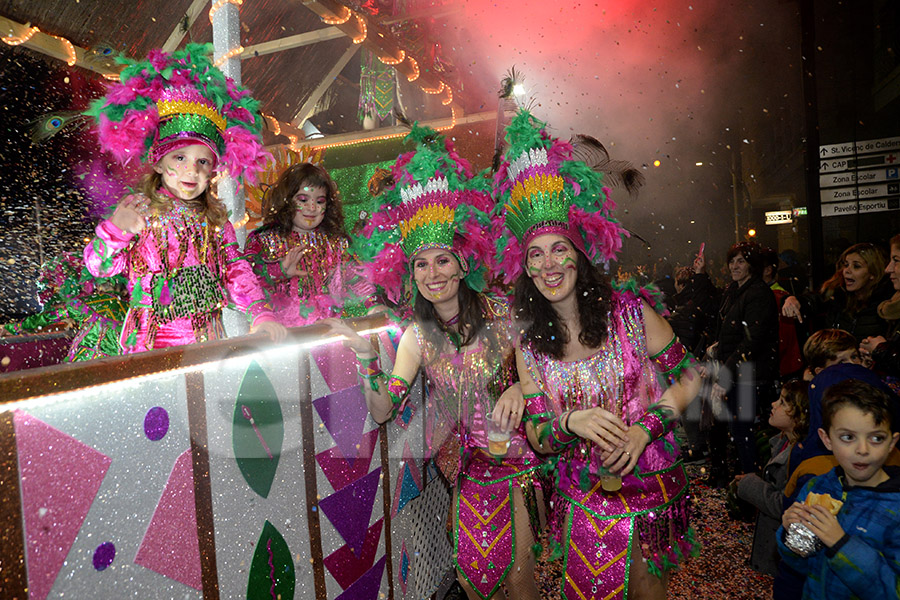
x=588 y=362
x=173 y=239
x=437 y=233
x=790 y=415
x=75 y=299
x=300 y=251
x=861 y=554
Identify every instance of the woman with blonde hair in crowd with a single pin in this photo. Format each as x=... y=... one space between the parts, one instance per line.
x=849 y=299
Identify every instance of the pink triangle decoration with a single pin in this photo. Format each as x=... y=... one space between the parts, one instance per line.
x=350 y=509
x=334 y=464
x=60 y=478
x=367 y=586
x=346 y=566
x=344 y=415
x=170 y=546
x=337 y=365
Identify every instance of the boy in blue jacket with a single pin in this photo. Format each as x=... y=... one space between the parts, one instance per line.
x=861 y=557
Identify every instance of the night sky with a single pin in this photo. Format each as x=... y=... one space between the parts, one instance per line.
x=44 y=209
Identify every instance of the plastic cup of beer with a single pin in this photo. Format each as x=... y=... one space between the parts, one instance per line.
x=498 y=439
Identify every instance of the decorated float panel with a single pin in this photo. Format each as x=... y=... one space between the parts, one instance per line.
x=229 y=469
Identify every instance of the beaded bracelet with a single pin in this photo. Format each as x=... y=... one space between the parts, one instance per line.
x=560 y=437
x=656 y=423
x=370 y=371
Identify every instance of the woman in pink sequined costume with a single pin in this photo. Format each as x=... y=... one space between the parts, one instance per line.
x=437 y=233
x=173 y=240
x=300 y=253
x=588 y=362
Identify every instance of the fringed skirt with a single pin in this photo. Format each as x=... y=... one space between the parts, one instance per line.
x=597 y=530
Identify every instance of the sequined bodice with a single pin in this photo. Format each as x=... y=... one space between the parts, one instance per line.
x=322 y=255
x=465 y=385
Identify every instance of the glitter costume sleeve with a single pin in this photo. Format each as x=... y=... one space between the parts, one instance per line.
x=103 y=255
x=241 y=283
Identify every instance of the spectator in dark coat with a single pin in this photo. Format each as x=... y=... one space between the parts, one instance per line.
x=747 y=348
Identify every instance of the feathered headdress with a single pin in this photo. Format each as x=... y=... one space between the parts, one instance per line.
x=544 y=185
x=430 y=200
x=173 y=100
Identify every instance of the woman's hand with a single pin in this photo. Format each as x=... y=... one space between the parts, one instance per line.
x=509 y=409
x=129 y=214
x=599 y=426
x=791 y=308
x=868 y=345
x=621 y=461
x=352 y=340
x=273 y=329
x=290 y=264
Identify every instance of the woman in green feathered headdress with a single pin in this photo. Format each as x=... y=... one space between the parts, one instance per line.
x=433 y=233
x=586 y=363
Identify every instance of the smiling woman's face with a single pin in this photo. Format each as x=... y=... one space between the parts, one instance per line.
x=550 y=261
x=437 y=275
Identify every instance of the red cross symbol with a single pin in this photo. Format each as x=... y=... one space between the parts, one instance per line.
x=890 y=159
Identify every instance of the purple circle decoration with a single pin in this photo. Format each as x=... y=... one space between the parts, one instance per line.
x=104 y=555
x=156 y=423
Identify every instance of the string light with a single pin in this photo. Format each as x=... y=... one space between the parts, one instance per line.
x=15 y=41
x=364 y=31
x=415 y=67
x=219 y=4
x=273 y=123
x=228 y=55
x=393 y=61
x=435 y=90
x=112 y=76
x=449 y=97
x=338 y=20
x=243 y=221
x=388 y=136
x=73 y=58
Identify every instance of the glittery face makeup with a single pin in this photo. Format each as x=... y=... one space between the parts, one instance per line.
x=310 y=202
x=550 y=261
x=437 y=275
x=186 y=171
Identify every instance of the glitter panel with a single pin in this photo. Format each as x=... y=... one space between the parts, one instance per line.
x=60 y=477
x=350 y=508
x=367 y=586
x=258 y=430
x=347 y=566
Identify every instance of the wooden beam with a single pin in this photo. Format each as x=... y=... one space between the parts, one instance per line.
x=309 y=106
x=178 y=34
x=294 y=41
x=384 y=132
x=53 y=46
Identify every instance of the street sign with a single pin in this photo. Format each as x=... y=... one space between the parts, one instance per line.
x=779 y=217
x=867 y=147
x=838 y=179
x=877 y=190
x=834 y=165
x=837 y=209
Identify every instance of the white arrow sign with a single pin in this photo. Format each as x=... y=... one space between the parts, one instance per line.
x=851 y=148
x=859 y=162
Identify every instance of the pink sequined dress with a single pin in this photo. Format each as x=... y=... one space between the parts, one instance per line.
x=598 y=530
x=181 y=273
x=462 y=389
x=298 y=301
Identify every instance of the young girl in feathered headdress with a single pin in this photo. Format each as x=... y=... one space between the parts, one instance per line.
x=172 y=239
x=300 y=252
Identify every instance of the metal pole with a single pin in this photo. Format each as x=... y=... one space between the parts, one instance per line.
x=226 y=26
x=810 y=99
